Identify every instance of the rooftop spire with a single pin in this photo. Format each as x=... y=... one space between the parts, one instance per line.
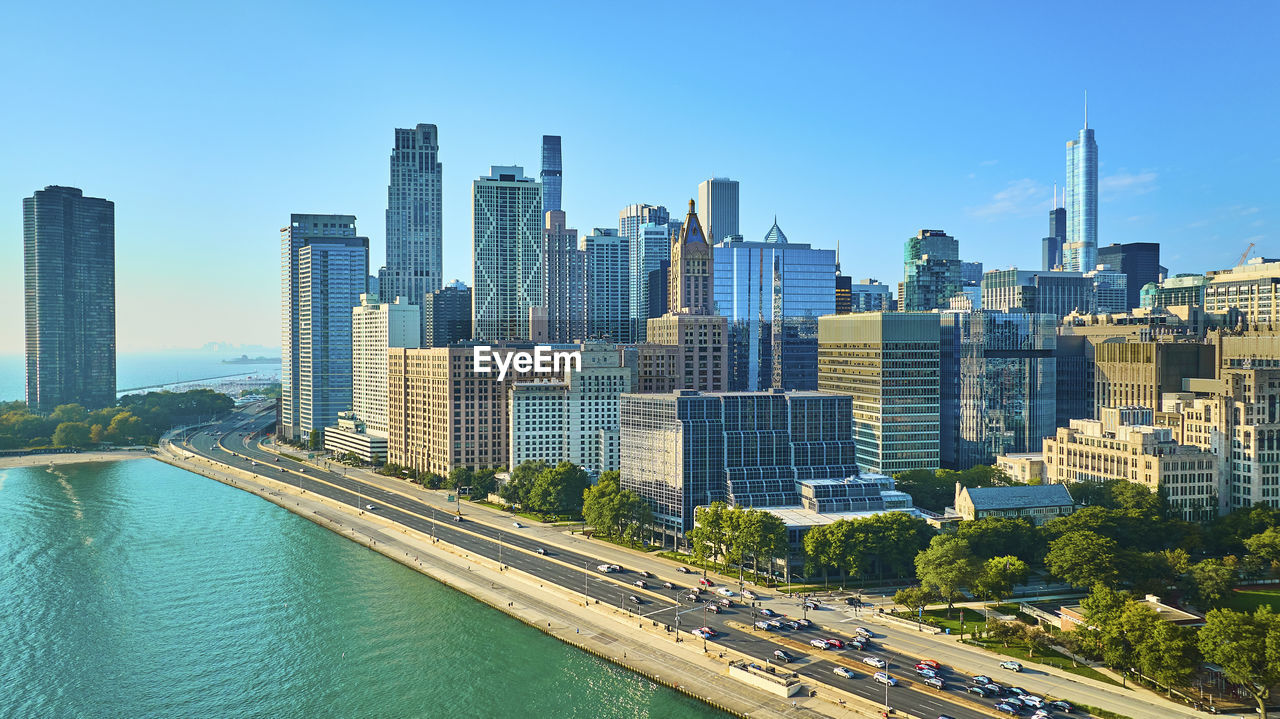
x=1086 y=109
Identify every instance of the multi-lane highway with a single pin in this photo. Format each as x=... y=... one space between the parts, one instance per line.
x=233 y=442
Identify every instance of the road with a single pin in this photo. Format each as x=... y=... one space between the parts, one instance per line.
x=233 y=442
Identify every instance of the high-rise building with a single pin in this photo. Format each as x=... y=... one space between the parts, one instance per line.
x=718 y=198
x=869 y=295
x=608 y=285
x=1080 y=251
x=999 y=385
x=448 y=315
x=1252 y=289
x=686 y=449
x=657 y=293
x=844 y=293
x=889 y=363
x=564 y=284
x=551 y=175
x=650 y=250
x=1140 y=263
x=443 y=414
x=772 y=292
x=1110 y=290
x=414 y=205
x=1050 y=293
x=1138 y=374
x=632 y=217
x=574 y=419
x=690 y=323
x=970 y=274
x=375 y=327
x=324 y=270
x=1184 y=289
x=1051 y=246
x=933 y=271
x=69 y=296
x=507 y=254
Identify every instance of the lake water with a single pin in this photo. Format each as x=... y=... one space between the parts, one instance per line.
x=142 y=369
x=136 y=589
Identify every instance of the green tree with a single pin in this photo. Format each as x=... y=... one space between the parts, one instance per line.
x=314 y=440
x=1247 y=648
x=947 y=566
x=600 y=504
x=72 y=434
x=1083 y=558
x=998 y=577
x=998 y=536
x=914 y=599
x=483 y=482
x=1265 y=544
x=1003 y=632
x=820 y=551
x=125 y=428
x=460 y=477
x=559 y=489
x=1211 y=581
x=516 y=490
x=1036 y=639
x=68 y=413
x=1170 y=655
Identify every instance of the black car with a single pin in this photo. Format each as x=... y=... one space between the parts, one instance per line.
x=1008 y=708
x=980 y=691
x=783 y=657
x=1061 y=706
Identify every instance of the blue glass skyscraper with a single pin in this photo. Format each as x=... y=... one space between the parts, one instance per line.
x=551 y=175
x=772 y=293
x=649 y=248
x=1080 y=252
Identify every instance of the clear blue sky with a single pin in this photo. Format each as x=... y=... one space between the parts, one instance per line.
x=209 y=124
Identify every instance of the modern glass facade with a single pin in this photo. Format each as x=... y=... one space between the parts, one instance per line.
x=414 y=233
x=551 y=176
x=1053 y=293
x=1080 y=252
x=608 y=285
x=649 y=247
x=772 y=294
x=506 y=253
x=1140 y=263
x=999 y=384
x=69 y=275
x=448 y=315
x=933 y=271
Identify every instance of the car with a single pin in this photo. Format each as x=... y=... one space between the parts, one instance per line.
x=517 y=525
x=370 y=507
x=457 y=517
x=782 y=656
x=838 y=644
x=863 y=632
x=936 y=683
x=996 y=689
x=708 y=631
x=945 y=716
x=811 y=606
x=884 y=678
x=253 y=463
x=927 y=673
x=805 y=623
x=684 y=570
x=845 y=672
x=792 y=624
x=1061 y=706
x=705 y=582
x=1041 y=714
x=277 y=459
x=701 y=634
x=540 y=550
x=979 y=690
x=819 y=643
x=981 y=679
x=725 y=592
x=693 y=598
x=668 y=585
x=724 y=602
x=1008 y=708
x=634 y=599
x=931 y=664
x=605 y=568
x=646 y=573
x=615 y=568
x=641 y=583
x=1011 y=666
x=765 y=627
x=1016 y=691
x=876 y=662
x=280 y=468
x=767 y=612
x=774 y=624
x=713 y=609
x=749 y=594
x=857 y=644
x=1032 y=700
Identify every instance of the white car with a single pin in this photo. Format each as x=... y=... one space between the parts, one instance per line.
x=819 y=643
x=517 y=525
x=1032 y=700
x=765 y=626
x=724 y=592
x=845 y=672
x=862 y=632
x=876 y=662
x=749 y=594
x=884 y=678
x=1011 y=666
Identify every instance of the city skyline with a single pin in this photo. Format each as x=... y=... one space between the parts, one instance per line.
x=864 y=171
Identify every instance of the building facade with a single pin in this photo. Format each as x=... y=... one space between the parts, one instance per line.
x=375 y=327
x=1051 y=246
x=324 y=270
x=1080 y=251
x=649 y=246
x=69 y=298
x=933 y=271
x=551 y=175
x=507 y=254
x=1252 y=289
x=414 y=208
x=1140 y=263
x=718 y=198
x=1138 y=373
x=1110 y=290
x=607 y=285
x=1048 y=293
x=447 y=315
x=889 y=364
x=564 y=284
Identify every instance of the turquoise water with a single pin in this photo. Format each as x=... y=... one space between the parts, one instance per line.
x=136 y=589
x=141 y=369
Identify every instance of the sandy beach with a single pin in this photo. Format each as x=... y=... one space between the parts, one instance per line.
x=39 y=460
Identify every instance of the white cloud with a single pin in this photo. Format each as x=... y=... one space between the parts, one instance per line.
x=1020 y=197
x=1124 y=182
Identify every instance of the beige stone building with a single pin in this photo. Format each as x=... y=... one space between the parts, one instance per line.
x=1026 y=467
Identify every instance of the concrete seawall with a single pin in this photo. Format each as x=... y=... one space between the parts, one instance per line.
x=603 y=630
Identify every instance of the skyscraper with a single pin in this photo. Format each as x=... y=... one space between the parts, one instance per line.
x=933 y=271
x=375 y=326
x=1139 y=261
x=772 y=292
x=324 y=270
x=413 y=217
x=650 y=250
x=564 y=285
x=718 y=198
x=608 y=285
x=507 y=253
x=551 y=173
x=1080 y=253
x=632 y=217
x=1051 y=246
x=448 y=312
x=69 y=274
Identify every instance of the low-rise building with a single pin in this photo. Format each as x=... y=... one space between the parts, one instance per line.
x=1071 y=616
x=352 y=435
x=1036 y=503
x=1024 y=467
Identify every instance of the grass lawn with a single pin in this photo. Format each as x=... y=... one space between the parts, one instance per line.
x=1249 y=600
x=938 y=617
x=561 y=520
x=1050 y=657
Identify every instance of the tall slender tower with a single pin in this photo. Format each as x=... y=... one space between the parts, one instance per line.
x=692 y=281
x=69 y=263
x=551 y=175
x=1080 y=252
x=718 y=199
x=1051 y=245
x=506 y=254
x=413 y=217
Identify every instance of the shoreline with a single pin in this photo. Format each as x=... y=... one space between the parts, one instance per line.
x=40 y=460
x=552 y=610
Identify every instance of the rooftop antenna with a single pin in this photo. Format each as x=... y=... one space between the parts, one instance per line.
x=1055 y=195
x=1086 y=109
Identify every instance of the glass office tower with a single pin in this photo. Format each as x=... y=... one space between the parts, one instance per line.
x=551 y=176
x=1080 y=252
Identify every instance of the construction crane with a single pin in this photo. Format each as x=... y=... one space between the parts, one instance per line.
x=1245 y=256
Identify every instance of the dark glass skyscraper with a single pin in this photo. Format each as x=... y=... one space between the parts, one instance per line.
x=1139 y=261
x=413 y=217
x=448 y=315
x=69 y=264
x=551 y=174
x=1051 y=246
